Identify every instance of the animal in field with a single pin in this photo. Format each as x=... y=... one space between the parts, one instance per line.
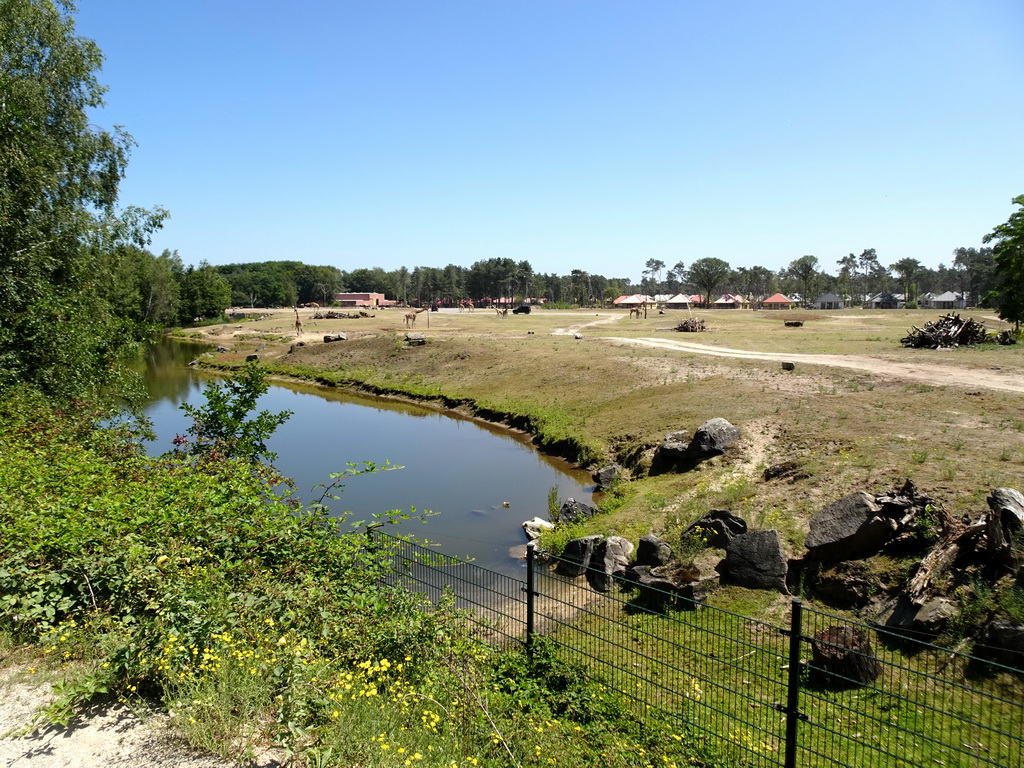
x=410 y=317
x=501 y=312
x=298 y=323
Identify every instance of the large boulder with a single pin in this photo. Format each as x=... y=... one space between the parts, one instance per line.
x=847 y=584
x=675 y=446
x=1003 y=643
x=717 y=528
x=713 y=437
x=606 y=476
x=652 y=551
x=534 y=527
x=850 y=528
x=610 y=559
x=575 y=559
x=899 y=614
x=573 y=511
x=755 y=560
x=671 y=585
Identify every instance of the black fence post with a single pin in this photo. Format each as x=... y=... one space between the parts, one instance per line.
x=793 y=693
x=530 y=592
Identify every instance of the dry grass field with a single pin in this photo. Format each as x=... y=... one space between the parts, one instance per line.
x=858 y=412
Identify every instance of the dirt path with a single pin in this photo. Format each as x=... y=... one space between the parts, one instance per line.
x=938 y=375
x=109 y=735
x=928 y=373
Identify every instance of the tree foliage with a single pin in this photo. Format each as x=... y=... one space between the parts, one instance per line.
x=1007 y=241
x=708 y=275
x=60 y=330
x=223 y=426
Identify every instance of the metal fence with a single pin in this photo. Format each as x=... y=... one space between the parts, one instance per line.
x=797 y=692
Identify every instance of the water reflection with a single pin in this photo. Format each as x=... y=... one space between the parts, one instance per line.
x=462 y=470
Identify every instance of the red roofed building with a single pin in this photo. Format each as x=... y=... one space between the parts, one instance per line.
x=778 y=301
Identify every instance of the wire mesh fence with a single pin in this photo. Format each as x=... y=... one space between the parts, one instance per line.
x=886 y=698
x=813 y=689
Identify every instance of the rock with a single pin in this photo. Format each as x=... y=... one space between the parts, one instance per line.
x=788 y=365
x=1003 y=643
x=713 y=437
x=332 y=337
x=575 y=559
x=755 y=560
x=578 y=336
x=841 y=656
x=787 y=469
x=850 y=528
x=415 y=339
x=250 y=358
x=1005 y=520
x=675 y=445
x=652 y=551
x=610 y=559
x=717 y=528
x=605 y=476
x=934 y=614
x=900 y=613
x=573 y=511
x=194 y=363
x=222 y=350
x=535 y=526
x=847 y=584
x=670 y=585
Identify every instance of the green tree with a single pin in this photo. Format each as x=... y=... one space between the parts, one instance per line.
x=907 y=271
x=804 y=270
x=59 y=179
x=1008 y=248
x=707 y=275
x=870 y=267
x=205 y=294
x=223 y=425
x=977 y=272
x=653 y=271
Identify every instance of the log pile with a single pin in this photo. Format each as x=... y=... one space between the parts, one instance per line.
x=948 y=331
x=692 y=325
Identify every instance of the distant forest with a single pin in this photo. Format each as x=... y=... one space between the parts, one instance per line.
x=161 y=290
x=286 y=283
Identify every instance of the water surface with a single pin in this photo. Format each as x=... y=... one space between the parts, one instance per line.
x=460 y=469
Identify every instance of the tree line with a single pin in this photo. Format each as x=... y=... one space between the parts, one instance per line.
x=287 y=283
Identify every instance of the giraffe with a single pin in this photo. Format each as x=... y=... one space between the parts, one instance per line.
x=410 y=317
x=298 y=323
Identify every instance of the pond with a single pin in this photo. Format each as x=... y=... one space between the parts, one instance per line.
x=463 y=471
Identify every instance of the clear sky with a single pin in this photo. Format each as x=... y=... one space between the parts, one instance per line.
x=575 y=134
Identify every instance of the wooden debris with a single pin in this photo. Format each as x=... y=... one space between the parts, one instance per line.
x=952 y=331
x=692 y=325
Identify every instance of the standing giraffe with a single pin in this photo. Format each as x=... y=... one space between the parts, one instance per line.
x=410 y=317
x=298 y=323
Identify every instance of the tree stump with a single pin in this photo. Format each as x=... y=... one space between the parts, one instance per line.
x=841 y=657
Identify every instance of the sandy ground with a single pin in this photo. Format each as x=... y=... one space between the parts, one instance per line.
x=938 y=375
x=105 y=736
x=935 y=374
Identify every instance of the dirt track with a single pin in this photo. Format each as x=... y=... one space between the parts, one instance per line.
x=935 y=374
x=939 y=375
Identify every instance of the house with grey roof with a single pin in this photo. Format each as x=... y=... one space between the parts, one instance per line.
x=828 y=301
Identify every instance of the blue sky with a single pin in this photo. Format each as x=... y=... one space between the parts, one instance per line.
x=583 y=134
